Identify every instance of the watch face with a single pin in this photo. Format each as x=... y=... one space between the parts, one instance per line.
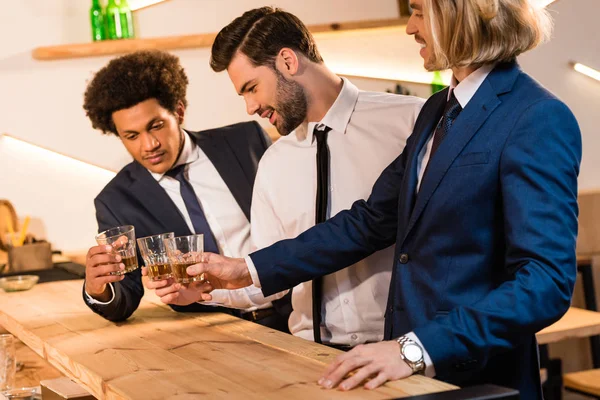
x=412 y=352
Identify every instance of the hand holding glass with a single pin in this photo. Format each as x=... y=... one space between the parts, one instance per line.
x=122 y=240
x=184 y=251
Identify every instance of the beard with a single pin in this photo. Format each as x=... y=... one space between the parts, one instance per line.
x=292 y=104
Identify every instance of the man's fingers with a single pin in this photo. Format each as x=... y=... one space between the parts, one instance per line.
x=202 y=286
x=104 y=258
x=144 y=271
x=98 y=250
x=206 y=297
x=120 y=242
x=379 y=380
x=360 y=375
x=350 y=364
x=197 y=269
x=332 y=367
x=155 y=285
x=209 y=257
x=106 y=269
x=164 y=291
x=170 y=298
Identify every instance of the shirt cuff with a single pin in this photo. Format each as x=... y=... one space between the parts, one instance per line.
x=253 y=271
x=429 y=368
x=92 y=300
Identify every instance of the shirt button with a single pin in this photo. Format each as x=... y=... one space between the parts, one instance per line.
x=403 y=258
x=354 y=337
x=346 y=301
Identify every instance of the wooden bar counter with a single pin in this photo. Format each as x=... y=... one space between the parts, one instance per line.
x=160 y=354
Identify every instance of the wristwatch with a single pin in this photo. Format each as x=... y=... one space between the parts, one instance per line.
x=412 y=354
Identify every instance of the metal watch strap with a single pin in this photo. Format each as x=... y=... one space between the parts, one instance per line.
x=417 y=367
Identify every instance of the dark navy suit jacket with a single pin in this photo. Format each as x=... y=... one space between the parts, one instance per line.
x=135 y=198
x=485 y=251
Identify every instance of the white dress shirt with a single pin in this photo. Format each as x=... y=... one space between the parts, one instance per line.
x=369 y=130
x=226 y=219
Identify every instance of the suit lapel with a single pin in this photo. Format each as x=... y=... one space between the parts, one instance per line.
x=158 y=203
x=222 y=155
x=464 y=128
x=432 y=112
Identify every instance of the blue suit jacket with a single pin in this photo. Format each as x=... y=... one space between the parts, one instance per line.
x=485 y=251
x=135 y=198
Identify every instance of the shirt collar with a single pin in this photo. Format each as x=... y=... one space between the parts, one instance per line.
x=188 y=155
x=465 y=90
x=337 y=117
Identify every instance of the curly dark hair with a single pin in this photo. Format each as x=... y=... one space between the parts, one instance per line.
x=131 y=79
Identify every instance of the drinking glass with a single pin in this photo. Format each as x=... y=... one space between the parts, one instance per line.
x=154 y=254
x=8 y=363
x=184 y=251
x=122 y=240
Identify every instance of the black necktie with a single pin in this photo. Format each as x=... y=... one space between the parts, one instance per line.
x=320 y=132
x=451 y=111
x=194 y=209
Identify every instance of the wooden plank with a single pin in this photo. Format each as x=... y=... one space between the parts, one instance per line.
x=576 y=323
x=203 y=40
x=64 y=388
x=357 y=25
x=160 y=354
x=584 y=381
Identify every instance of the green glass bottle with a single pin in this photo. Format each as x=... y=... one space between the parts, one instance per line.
x=126 y=20
x=113 y=20
x=97 y=20
x=437 y=83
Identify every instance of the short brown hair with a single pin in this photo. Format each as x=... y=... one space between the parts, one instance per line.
x=260 y=34
x=131 y=79
x=475 y=32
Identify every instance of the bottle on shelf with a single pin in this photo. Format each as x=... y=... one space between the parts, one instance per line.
x=126 y=16
x=97 y=21
x=113 y=20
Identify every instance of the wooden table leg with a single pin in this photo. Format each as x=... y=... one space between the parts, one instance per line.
x=552 y=388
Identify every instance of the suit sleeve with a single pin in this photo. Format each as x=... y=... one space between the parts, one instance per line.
x=539 y=166
x=341 y=241
x=130 y=290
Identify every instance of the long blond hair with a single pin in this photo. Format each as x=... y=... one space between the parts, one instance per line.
x=475 y=32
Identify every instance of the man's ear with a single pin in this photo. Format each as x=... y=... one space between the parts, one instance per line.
x=287 y=62
x=180 y=112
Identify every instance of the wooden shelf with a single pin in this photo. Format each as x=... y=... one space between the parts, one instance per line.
x=111 y=47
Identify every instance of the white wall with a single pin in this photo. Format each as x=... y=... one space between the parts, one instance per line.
x=41 y=101
x=54 y=190
x=576 y=38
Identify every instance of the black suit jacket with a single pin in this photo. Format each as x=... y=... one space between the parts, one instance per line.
x=135 y=198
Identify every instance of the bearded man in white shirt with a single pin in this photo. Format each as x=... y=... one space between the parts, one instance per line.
x=274 y=64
